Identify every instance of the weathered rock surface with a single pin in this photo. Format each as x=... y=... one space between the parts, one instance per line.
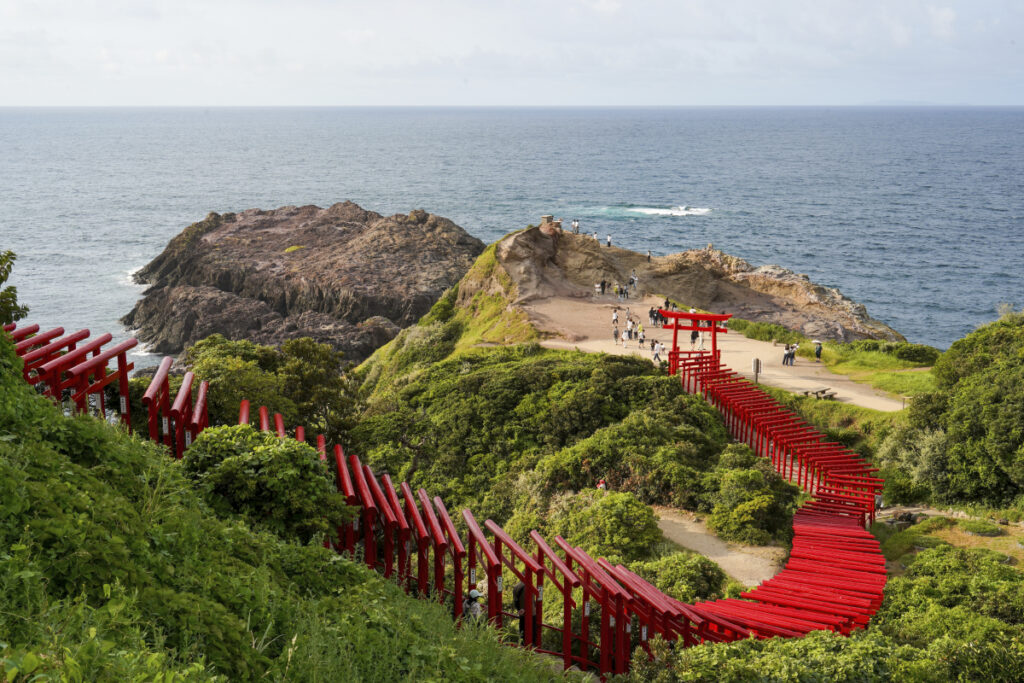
x=543 y=262
x=342 y=275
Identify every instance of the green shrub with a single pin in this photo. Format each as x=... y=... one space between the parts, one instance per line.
x=687 y=577
x=616 y=526
x=277 y=484
x=978 y=527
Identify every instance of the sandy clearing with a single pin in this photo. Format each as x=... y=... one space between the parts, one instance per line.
x=750 y=565
x=585 y=324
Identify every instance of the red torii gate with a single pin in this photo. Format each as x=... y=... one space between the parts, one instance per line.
x=693 y=322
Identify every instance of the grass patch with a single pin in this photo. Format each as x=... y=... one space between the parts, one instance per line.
x=294 y=247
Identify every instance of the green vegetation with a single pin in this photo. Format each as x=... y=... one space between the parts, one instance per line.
x=276 y=484
x=965 y=441
x=502 y=430
x=294 y=247
x=113 y=568
x=10 y=310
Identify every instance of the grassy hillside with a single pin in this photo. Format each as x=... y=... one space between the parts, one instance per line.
x=112 y=568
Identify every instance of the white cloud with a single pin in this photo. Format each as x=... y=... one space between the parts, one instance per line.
x=942 y=20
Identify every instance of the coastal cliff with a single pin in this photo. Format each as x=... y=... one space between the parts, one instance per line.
x=545 y=262
x=341 y=275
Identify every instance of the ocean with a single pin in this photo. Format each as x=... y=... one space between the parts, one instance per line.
x=918 y=213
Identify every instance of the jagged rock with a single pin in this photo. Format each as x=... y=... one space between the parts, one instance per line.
x=555 y=263
x=342 y=275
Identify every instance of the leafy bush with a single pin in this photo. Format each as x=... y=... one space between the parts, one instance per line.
x=965 y=441
x=616 y=526
x=303 y=380
x=277 y=484
x=687 y=577
x=752 y=503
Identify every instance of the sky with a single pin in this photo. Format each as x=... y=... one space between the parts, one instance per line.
x=505 y=53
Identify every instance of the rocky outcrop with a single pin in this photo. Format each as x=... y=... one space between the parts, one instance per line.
x=342 y=275
x=543 y=262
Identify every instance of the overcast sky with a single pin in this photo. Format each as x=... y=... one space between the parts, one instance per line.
x=482 y=52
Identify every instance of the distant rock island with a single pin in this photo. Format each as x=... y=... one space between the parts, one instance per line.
x=545 y=262
x=341 y=275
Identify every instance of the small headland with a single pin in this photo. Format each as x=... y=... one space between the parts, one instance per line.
x=342 y=275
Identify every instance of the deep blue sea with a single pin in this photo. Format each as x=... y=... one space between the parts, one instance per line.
x=916 y=212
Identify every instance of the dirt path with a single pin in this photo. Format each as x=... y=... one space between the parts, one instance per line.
x=750 y=565
x=585 y=324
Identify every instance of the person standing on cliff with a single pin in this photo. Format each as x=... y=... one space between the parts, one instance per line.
x=575 y=226
x=609 y=240
x=648 y=255
x=603 y=285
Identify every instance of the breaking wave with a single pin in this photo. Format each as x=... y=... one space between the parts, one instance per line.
x=672 y=211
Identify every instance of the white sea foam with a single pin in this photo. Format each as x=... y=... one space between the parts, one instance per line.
x=127 y=277
x=674 y=211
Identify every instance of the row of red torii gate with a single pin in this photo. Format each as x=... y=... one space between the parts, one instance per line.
x=600 y=612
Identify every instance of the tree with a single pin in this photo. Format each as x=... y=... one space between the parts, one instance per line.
x=10 y=311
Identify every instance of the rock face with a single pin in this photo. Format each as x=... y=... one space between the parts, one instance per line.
x=543 y=263
x=342 y=275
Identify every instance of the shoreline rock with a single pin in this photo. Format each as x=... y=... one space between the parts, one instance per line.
x=341 y=275
x=543 y=262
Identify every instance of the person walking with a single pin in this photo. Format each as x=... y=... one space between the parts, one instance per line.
x=656 y=352
x=785 y=355
x=624 y=340
x=817 y=351
x=471 y=608
x=615 y=335
x=693 y=338
x=792 y=354
x=615 y=316
x=640 y=336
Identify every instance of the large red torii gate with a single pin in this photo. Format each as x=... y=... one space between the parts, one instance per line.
x=702 y=322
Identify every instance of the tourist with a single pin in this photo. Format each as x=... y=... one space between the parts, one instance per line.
x=615 y=316
x=648 y=255
x=656 y=352
x=602 y=485
x=640 y=335
x=817 y=351
x=615 y=335
x=597 y=289
x=624 y=340
x=633 y=279
x=471 y=608
x=609 y=240
x=519 y=605
x=693 y=339
x=603 y=285
x=629 y=328
x=596 y=238
x=650 y=317
x=575 y=226
x=792 y=354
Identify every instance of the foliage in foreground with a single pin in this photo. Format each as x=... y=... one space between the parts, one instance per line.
x=112 y=568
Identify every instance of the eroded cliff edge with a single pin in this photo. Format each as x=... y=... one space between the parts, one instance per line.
x=546 y=262
x=341 y=275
